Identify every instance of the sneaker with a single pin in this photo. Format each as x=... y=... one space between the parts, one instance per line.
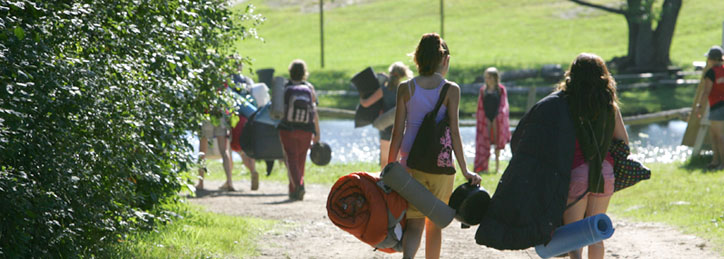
x=254 y=181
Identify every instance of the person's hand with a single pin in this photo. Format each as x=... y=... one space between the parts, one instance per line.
x=315 y=140
x=473 y=178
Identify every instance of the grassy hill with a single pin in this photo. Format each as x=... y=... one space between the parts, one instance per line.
x=509 y=34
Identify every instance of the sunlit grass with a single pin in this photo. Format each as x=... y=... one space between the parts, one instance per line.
x=197 y=234
x=503 y=33
x=683 y=196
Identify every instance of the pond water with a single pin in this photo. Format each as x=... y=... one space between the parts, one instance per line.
x=658 y=142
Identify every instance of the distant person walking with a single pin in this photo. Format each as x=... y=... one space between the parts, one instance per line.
x=388 y=94
x=242 y=86
x=217 y=127
x=493 y=126
x=299 y=126
x=713 y=83
x=593 y=106
x=415 y=98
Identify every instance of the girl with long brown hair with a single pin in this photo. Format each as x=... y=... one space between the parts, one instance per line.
x=593 y=107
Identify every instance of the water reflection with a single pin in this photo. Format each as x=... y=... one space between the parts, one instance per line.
x=659 y=142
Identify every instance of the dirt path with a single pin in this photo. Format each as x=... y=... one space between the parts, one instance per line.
x=306 y=232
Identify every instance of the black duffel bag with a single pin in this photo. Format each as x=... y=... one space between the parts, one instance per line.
x=260 y=139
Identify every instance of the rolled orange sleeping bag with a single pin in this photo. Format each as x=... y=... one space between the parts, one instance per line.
x=357 y=205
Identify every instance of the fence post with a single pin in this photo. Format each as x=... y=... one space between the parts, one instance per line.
x=531 y=98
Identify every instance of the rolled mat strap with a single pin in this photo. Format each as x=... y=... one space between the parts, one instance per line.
x=396 y=177
x=578 y=234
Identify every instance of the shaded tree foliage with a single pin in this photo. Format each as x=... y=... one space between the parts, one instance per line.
x=648 y=47
x=97 y=97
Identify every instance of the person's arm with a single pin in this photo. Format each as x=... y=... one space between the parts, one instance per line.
x=619 y=131
x=317 y=133
x=453 y=103
x=707 y=85
x=369 y=101
x=398 y=126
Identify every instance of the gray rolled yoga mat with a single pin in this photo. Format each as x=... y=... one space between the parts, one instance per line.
x=396 y=177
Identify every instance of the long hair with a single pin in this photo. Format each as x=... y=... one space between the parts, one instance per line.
x=397 y=71
x=429 y=53
x=589 y=86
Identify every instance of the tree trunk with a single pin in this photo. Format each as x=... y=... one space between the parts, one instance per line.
x=664 y=33
x=648 y=49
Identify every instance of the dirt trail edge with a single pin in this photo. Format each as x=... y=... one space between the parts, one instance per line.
x=306 y=232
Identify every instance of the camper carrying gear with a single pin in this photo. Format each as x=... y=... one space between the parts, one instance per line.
x=362 y=205
x=299 y=105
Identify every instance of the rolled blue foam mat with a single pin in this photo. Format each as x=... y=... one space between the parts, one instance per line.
x=578 y=234
x=396 y=177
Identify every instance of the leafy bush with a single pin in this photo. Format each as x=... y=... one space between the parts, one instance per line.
x=97 y=97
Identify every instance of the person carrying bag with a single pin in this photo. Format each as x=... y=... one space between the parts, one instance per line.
x=432 y=150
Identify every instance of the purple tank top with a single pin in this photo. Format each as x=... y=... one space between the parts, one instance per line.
x=421 y=102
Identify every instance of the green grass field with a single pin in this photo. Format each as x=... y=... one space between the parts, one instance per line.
x=507 y=34
x=196 y=234
x=504 y=33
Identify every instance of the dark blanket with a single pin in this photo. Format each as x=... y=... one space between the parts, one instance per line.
x=531 y=196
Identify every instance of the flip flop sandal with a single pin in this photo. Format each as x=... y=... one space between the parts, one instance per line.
x=226 y=188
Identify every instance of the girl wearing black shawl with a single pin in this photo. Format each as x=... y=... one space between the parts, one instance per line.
x=593 y=106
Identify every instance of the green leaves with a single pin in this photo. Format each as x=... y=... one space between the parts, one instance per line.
x=19 y=32
x=96 y=102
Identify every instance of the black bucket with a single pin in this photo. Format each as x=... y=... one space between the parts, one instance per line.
x=265 y=76
x=320 y=154
x=470 y=203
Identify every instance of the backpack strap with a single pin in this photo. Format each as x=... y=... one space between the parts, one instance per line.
x=440 y=99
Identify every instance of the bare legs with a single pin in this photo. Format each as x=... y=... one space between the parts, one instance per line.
x=716 y=130
x=251 y=165
x=587 y=206
x=384 y=151
x=493 y=133
x=203 y=148
x=225 y=156
x=413 y=234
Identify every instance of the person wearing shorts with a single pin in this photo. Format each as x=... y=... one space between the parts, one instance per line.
x=597 y=120
x=415 y=98
x=713 y=84
x=220 y=131
x=388 y=94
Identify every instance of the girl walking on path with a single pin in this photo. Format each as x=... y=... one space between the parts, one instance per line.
x=713 y=84
x=299 y=127
x=493 y=126
x=388 y=94
x=415 y=98
x=593 y=107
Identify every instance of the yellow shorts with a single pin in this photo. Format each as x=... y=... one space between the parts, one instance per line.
x=440 y=185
